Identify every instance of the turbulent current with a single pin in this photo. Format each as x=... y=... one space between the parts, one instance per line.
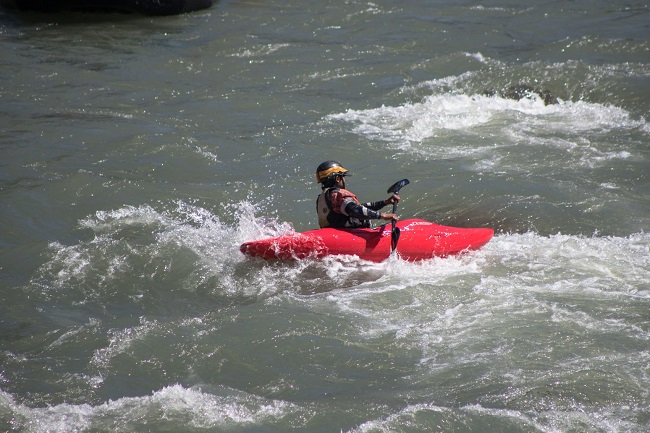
x=138 y=153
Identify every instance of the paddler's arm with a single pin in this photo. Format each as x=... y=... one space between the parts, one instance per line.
x=362 y=212
x=376 y=205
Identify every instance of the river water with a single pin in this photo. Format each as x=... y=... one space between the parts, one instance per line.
x=138 y=153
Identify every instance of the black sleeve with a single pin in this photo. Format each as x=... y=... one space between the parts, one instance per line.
x=361 y=212
x=375 y=205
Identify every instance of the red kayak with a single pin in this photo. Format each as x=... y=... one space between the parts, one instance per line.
x=419 y=240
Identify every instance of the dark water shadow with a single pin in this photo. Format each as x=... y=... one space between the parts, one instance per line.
x=62 y=8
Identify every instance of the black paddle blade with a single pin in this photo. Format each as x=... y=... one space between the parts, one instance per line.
x=394 y=237
x=394 y=189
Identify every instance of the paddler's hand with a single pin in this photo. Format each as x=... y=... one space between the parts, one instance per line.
x=392 y=199
x=389 y=216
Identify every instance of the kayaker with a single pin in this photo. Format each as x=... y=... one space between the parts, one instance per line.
x=339 y=208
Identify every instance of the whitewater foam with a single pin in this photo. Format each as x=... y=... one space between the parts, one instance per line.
x=169 y=406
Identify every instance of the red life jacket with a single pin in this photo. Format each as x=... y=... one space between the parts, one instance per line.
x=331 y=210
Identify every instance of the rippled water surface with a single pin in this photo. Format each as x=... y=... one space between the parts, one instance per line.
x=137 y=154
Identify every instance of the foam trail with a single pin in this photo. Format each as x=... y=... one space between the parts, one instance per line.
x=180 y=242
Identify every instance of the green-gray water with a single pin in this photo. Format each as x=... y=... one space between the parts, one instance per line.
x=137 y=154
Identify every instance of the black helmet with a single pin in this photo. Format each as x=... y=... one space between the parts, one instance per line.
x=328 y=169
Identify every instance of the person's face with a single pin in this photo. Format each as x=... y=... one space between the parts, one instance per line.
x=340 y=181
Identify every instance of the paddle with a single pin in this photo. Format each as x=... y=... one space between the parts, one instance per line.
x=394 y=235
